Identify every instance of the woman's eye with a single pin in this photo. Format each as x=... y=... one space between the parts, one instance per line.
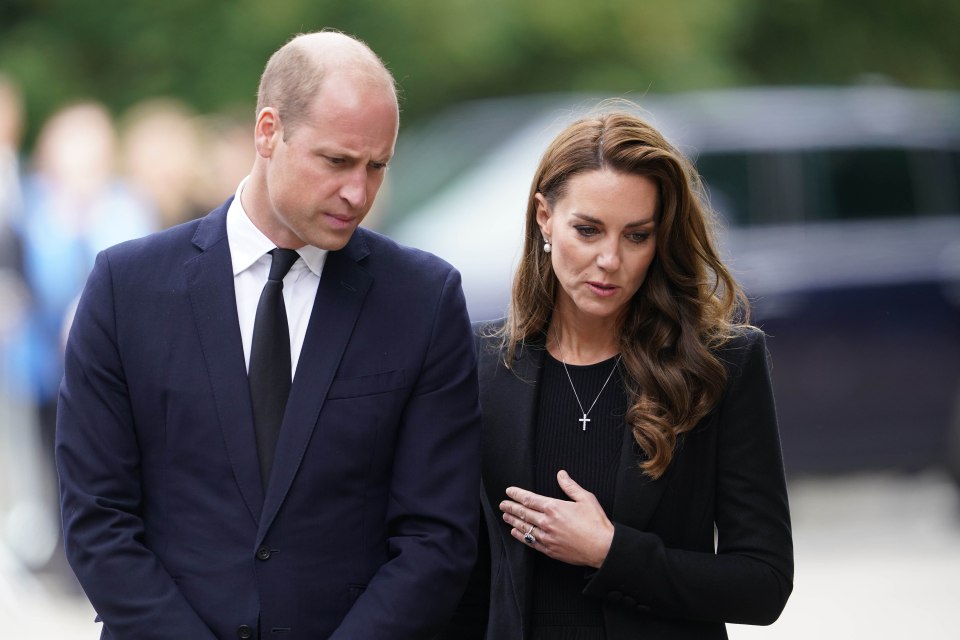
x=586 y=230
x=638 y=237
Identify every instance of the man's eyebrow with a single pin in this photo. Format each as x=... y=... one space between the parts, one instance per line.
x=349 y=155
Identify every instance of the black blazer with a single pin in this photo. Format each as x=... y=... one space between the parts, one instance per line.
x=665 y=576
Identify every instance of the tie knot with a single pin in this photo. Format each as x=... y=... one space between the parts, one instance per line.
x=283 y=259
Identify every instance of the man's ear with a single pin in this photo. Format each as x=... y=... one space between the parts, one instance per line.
x=268 y=131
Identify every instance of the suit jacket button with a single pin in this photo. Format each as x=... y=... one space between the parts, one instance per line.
x=263 y=553
x=244 y=632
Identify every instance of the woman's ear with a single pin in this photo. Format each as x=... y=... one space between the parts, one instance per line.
x=267 y=131
x=544 y=215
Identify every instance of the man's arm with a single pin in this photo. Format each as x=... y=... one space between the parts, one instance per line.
x=433 y=513
x=98 y=459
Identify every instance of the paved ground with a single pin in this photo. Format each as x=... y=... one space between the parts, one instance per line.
x=878 y=557
x=41 y=607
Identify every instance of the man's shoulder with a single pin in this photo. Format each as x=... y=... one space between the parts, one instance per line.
x=181 y=240
x=384 y=253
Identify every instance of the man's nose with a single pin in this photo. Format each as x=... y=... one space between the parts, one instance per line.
x=354 y=187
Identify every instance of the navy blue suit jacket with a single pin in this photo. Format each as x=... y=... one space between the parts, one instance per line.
x=368 y=526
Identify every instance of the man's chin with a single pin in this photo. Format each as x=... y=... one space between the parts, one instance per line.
x=332 y=239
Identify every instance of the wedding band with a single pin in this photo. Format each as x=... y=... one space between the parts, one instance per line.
x=528 y=536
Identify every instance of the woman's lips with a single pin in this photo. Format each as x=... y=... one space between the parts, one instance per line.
x=601 y=289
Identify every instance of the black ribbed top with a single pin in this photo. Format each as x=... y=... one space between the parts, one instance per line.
x=560 y=610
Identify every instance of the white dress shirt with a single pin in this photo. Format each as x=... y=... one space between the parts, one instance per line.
x=249 y=252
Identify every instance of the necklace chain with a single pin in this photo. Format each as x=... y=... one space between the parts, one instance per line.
x=563 y=360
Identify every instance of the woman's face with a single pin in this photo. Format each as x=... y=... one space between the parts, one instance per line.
x=602 y=234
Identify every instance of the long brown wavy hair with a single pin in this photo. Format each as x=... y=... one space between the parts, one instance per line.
x=688 y=305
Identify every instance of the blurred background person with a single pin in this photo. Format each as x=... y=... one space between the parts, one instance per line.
x=228 y=155
x=180 y=162
x=160 y=156
x=26 y=525
x=73 y=206
x=11 y=199
x=11 y=205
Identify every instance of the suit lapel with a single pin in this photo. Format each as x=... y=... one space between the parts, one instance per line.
x=340 y=295
x=210 y=287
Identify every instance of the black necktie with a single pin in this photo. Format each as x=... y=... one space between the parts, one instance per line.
x=270 y=361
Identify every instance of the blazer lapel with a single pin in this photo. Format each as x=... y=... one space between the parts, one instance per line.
x=509 y=400
x=340 y=295
x=509 y=405
x=210 y=288
x=636 y=496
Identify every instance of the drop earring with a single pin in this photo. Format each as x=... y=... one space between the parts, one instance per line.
x=547 y=247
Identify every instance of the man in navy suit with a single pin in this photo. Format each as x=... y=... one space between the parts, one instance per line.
x=362 y=524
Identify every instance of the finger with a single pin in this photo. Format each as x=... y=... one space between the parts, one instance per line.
x=514 y=509
x=514 y=521
x=529 y=518
x=526 y=498
x=571 y=488
x=517 y=535
x=521 y=536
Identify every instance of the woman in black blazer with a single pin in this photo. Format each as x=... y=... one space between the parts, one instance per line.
x=633 y=482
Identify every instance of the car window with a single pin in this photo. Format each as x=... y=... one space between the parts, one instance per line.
x=953 y=163
x=859 y=183
x=763 y=187
x=753 y=187
x=726 y=177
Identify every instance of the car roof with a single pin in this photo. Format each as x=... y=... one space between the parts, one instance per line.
x=432 y=156
x=811 y=117
x=468 y=175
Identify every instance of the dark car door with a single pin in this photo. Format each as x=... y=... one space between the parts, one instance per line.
x=851 y=258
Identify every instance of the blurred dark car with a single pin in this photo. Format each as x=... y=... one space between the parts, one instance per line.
x=841 y=212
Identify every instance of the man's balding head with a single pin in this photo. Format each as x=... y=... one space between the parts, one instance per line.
x=295 y=72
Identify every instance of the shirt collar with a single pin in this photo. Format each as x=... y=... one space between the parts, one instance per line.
x=248 y=244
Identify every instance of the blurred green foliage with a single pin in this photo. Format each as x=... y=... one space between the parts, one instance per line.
x=211 y=52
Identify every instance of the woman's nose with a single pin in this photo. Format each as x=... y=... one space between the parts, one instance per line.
x=609 y=257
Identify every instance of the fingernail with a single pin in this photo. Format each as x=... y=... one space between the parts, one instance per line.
x=563 y=475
